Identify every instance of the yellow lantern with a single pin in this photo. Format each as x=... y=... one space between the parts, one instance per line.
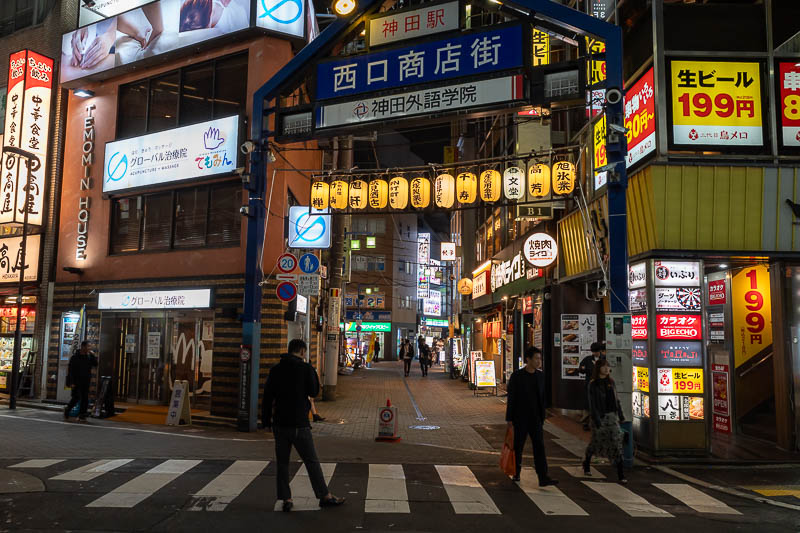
x=420 y=193
x=490 y=185
x=320 y=193
x=378 y=194
x=398 y=193
x=563 y=177
x=339 y=190
x=539 y=180
x=444 y=190
x=466 y=187
x=514 y=183
x=358 y=194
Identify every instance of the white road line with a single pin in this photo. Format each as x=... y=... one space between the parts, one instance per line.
x=386 y=490
x=549 y=499
x=302 y=492
x=696 y=499
x=466 y=494
x=37 y=463
x=577 y=471
x=631 y=503
x=224 y=488
x=92 y=470
x=140 y=488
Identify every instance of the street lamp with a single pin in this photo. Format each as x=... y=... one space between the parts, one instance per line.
x=344 y=7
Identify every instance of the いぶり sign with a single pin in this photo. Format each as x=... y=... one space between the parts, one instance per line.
x=677 y=274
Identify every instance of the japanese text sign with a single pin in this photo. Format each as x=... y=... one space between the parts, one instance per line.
x=596 y=68
x=641 y=378
x=639 y=352
x=462 y=55
x=637 y=300
x=541 y=48
x=640 y=113
x=197 y=151
x=600 y=158
x=677 y=273
x=717 y=295
x=679 y=353
x=432 y=305
x=639 y=326
x=679 y=327
x=719 y=381
x=637 y=275
x=11 y=259
x=448 y=251
x=436 y=100
x=480 y=284
x=541 y=250
x=680 y=380
x=678 y=299
x=789 y=90
x=752 y=313
x=168 y=299
x=27 y=127
x=398 y=26
x=716 y=103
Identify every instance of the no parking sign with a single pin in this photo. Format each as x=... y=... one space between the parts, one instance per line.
x=387 y=423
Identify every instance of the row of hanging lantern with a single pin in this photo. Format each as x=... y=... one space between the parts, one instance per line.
x=446 y=190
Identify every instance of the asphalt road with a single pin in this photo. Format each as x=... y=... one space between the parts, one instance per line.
x=108 y=477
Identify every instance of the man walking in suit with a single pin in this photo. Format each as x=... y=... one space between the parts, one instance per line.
x=525 y=411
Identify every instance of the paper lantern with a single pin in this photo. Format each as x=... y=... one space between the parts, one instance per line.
x=339 y=191
x=563 y=177
x=539 y=180
x=514 y=183
x=358 y=194
x=466 y=187
x=378 y=194
x=420 y=193
x=320 y=192
x=490 y=185
x=398 y=193
x=444 y=190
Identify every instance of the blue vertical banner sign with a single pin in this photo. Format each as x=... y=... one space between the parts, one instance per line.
x=425 y=62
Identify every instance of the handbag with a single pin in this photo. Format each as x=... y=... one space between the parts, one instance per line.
x=508 y=462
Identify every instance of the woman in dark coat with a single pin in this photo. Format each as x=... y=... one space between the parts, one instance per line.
x=606 y=415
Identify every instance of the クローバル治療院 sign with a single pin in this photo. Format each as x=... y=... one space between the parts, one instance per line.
x=166 y=299
x=197 y=151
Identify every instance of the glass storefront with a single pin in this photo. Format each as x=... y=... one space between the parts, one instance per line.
x=8 y=325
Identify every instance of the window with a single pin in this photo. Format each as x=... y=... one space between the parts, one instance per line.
x=16 y=15
x=368 y=263
x=401 y=266
x=375 y=226
x=197 y=93
x=193 y=217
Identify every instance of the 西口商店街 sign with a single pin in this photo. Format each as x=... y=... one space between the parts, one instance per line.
x=27 y=127
x=196 y=151
x=435 y=100
x=716 y=103
x=507 y=271
x=168 y=299
x=395 y=26
x=456 y=57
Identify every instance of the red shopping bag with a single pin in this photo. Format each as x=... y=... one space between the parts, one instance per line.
x=508 y=463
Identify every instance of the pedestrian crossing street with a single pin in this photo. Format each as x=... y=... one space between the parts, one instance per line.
x=387 y=489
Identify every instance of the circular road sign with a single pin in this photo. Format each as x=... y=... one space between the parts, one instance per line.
x=287 y=291
x=386 y=415
x=287 y=263
x=309 y=263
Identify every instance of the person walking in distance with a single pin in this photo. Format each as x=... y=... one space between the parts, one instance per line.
x=424 y=359
x=376 y=350
x=525 y=412
x=606 y=416
x=586 y=368
x=407 y=353
x=79 y=377
x=285 y=410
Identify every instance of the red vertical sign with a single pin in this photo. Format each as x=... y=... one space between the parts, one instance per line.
x=789 y=85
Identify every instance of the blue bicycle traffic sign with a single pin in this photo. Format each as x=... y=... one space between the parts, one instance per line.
x=309 y=263
x=287 y=291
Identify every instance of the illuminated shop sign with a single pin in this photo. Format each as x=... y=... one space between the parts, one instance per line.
x=146 y=31
x=393 y=27
x=97 y=10
x=541 y=250
x=432 y=305
x=640 y=118
x=282 y=16
x=639 y=326
x=436 y=322
x=507 y=271
x=167 y=299
x=11 y=255
x=637 y=275
x=677 y=274
x=367 y=327
x=679 y=353
x=480 y=285
x=197 y=151
x=679 y=327
x=678 y=299
x=87 y=183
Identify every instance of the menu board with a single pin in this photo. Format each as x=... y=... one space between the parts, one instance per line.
x=721 y=398
x=578 y=332
x=675 y=408
x=484 y=374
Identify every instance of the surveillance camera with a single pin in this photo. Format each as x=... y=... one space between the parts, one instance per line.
x=247 y=147
x=606 y=168
x=613 y=96
x=245 y=210
x=618 y=129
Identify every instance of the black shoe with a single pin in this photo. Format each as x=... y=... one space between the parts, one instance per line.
x=318 y=418
x=587 y=471
x=515 y=479
x=287 y=505
x=66 y=413
x=548 y=482
x=333 y=501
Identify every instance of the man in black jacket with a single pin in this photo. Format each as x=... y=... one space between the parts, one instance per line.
x=285 y=411
x=79 y=377
x=525 y=411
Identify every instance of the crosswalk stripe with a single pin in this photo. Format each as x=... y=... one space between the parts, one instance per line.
x=549 y=499
x=696 y=499
x=577 y=471
x=302 y=492
x=631 y=503
x=38 y=463
x=92 y=470
x=140 y=488
x=386 y=490
x=466 y=494
x=224 y=488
